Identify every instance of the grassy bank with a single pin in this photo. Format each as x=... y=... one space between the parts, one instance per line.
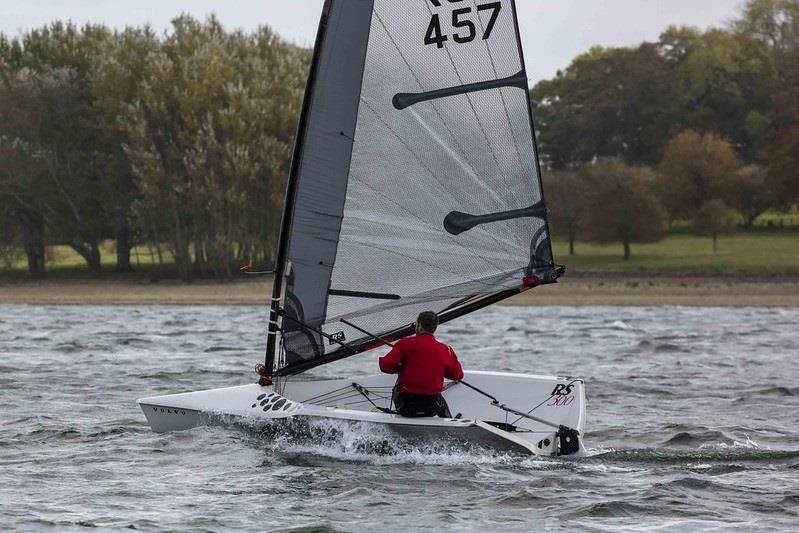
x=749 y=253
x=746 y=254
x=572 y=291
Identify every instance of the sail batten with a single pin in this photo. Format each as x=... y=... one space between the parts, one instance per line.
x=405 y=100
x=418 y=184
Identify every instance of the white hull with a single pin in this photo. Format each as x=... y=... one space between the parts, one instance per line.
x=562 y=403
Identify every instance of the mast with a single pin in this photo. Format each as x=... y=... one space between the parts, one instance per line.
x=291 y=188
x=316 y=189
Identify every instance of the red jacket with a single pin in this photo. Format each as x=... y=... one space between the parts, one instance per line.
x=422 y=363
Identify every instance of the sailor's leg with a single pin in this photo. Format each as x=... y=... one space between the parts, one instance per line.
x=443 y=408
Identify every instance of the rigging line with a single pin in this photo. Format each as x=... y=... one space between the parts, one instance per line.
x=359 y=402
x=380 y=396
x=454 y=137
x=471 y=104
x=330 y=397
x=333 y=402
x=324 y=397
x=365 y=394
x=339 y=401
x=560 y=427
x=347 y=395
x=501 y=94
x=507 y=409
x=343 y=393
x=384 y=409
x=484 y=393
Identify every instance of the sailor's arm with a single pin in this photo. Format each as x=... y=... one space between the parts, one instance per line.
x=390 y=363
x=453 y=369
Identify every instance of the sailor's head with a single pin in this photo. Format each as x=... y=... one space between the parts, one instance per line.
x=426 y=322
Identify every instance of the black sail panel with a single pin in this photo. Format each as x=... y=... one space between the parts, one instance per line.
x=318 y=184
x=435 y=197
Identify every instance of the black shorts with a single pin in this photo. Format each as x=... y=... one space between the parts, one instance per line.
x=419 y=405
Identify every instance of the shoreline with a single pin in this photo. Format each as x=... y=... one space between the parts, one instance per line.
x=578 y=290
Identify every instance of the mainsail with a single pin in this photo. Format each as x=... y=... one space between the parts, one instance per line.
x=415 y=183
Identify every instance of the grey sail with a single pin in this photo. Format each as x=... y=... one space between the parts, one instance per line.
x=415 y=183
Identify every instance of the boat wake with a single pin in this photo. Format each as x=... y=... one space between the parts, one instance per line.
x=316 y=439
x=360 y=442
x=709 y=456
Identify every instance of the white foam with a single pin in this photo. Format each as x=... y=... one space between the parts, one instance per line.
x=374 y=444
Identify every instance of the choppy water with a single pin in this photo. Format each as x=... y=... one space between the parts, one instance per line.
x=692 y=422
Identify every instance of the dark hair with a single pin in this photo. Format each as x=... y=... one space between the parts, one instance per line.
x=428 y=320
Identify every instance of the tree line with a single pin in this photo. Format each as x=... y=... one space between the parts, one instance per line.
x=699 y=127
x=182 y=142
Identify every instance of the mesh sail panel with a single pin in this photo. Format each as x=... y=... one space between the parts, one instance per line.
x=437 y=195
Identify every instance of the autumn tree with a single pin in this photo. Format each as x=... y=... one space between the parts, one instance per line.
x=696 y=168
x=566 y=200
x=622 y=205
x=783 y=168
x=715 y=219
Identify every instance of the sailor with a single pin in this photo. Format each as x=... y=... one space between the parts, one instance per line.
x=422 y=363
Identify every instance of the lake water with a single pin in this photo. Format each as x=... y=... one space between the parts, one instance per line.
x=693 y=424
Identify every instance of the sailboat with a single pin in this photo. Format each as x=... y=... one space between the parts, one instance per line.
x=415 y=185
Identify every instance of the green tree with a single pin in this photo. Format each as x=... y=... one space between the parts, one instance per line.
x=50 y=68
x=209 y=142
x=25 y=190
x=622 y=205
x=775 y=23
x=754 y=193
x=9 y=234
x=610 y=102
x=715 y=219
x=720 y=84
x=116 y=80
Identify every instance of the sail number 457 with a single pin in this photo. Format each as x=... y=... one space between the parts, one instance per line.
x=467 y=31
